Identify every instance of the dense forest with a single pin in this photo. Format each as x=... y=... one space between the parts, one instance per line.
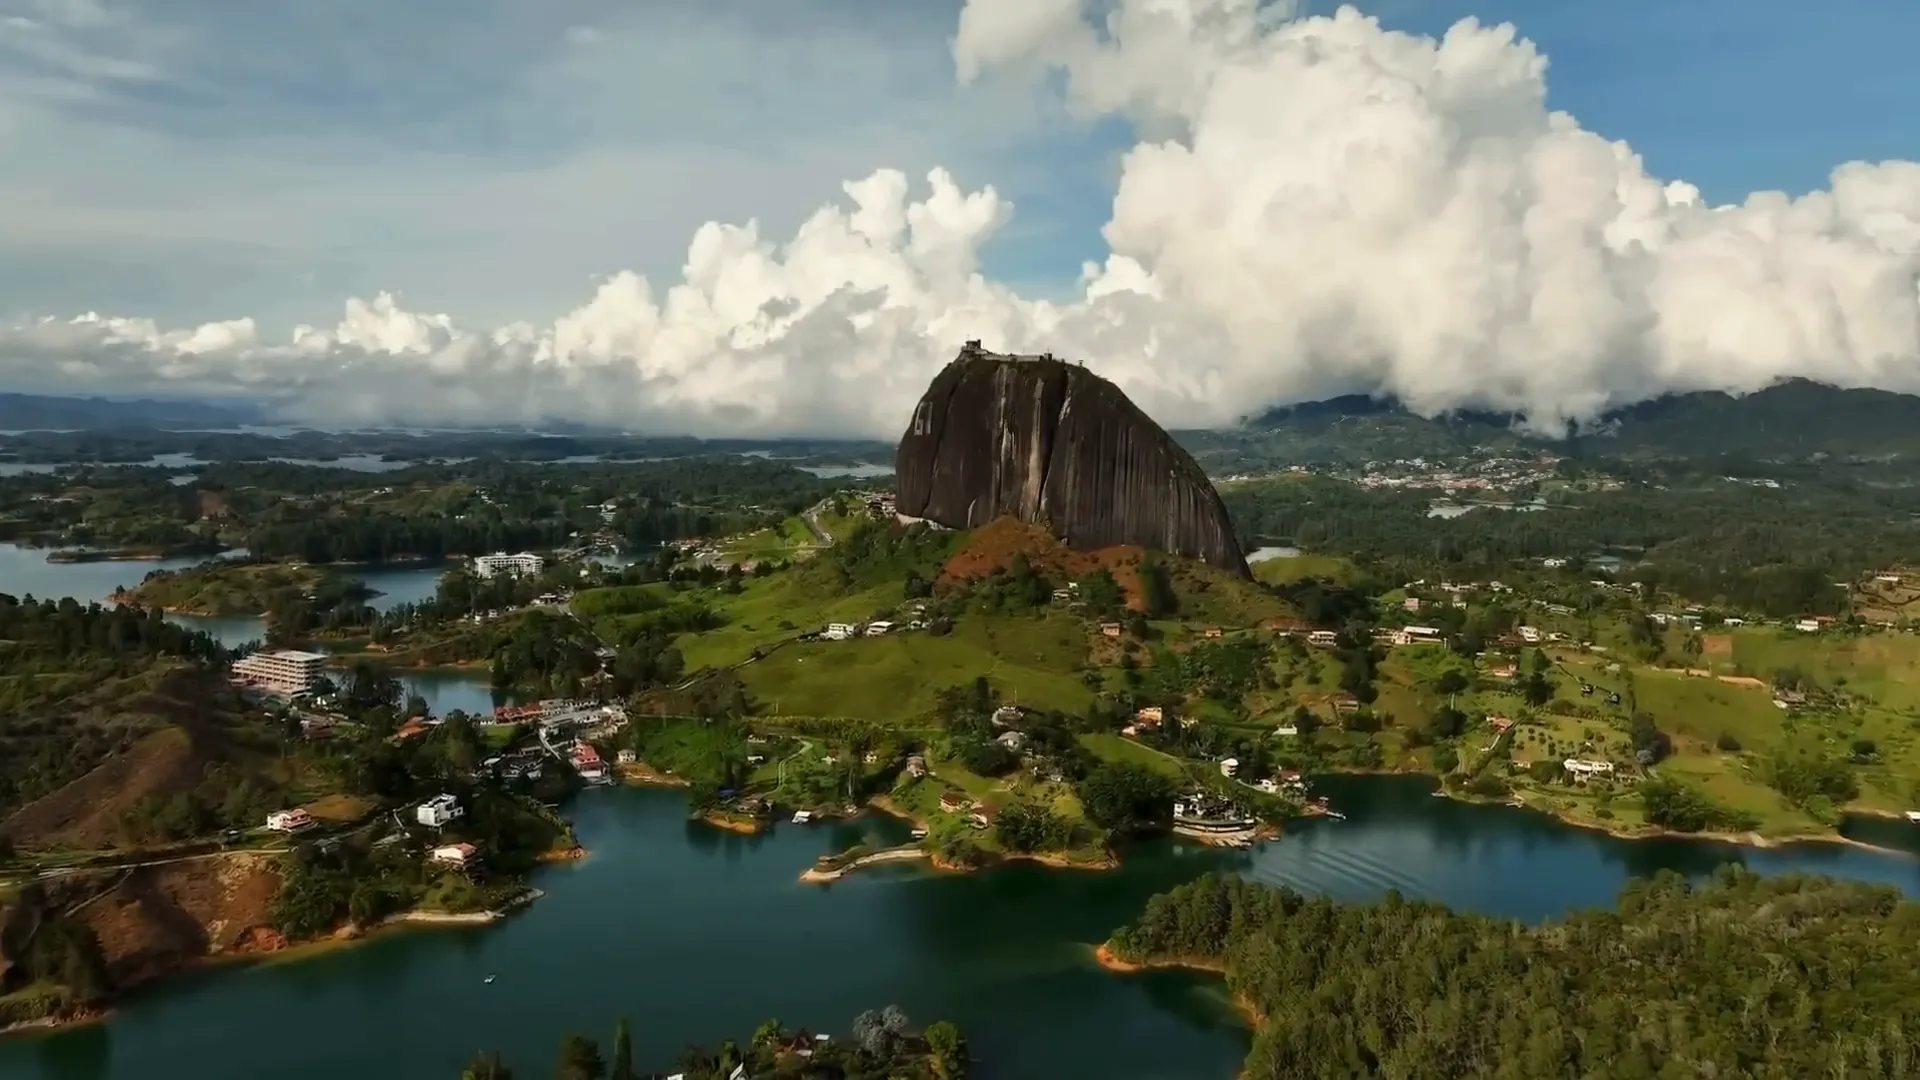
x=1774 y=551
x=1746 y=976
x=321 y=514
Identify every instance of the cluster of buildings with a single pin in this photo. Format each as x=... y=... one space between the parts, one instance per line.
x=845 y=631
x=1480 y=475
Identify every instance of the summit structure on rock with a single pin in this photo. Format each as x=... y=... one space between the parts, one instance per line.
x=1053 y=443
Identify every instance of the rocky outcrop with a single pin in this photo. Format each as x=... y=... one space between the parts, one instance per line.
x=1053 y=443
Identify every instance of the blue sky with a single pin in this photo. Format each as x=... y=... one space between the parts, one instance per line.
x=188 y=160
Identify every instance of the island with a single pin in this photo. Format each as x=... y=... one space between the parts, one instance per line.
x=880 y=1042
x=1406 y=989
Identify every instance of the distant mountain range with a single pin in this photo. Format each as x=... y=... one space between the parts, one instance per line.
x=43 y=412
x=1790 y=421
x=1793 y=420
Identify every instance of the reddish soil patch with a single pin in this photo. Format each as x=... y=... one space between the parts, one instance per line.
x=158 y=919
x=992 y=547
x=1717 y=646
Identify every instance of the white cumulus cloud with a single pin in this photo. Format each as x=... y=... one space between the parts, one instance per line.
x=1317 y=206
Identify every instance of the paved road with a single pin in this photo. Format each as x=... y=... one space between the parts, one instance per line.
x=136 y=862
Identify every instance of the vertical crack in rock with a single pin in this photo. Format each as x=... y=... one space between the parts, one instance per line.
x=1052 y=443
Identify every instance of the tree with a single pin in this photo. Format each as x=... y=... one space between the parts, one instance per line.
x=949 y=1049
x=486 y=1066
x=1120 y=793
x=1156 y=589
x=580 y=1059
x=770 y=1033
x=622 y=1067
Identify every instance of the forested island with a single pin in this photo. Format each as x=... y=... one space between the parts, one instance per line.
x=1742 y=976
x=881 y=1043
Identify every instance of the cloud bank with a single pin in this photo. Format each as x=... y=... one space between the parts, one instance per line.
x=1316 y=206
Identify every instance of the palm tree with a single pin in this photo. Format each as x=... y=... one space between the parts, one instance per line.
x=622 y=1068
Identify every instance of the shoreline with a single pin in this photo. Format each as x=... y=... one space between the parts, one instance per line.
x=813 y=875
x=1756 y=840
x=262 y=945
x=640 y=774
x=733 y=823
x=1104 y=958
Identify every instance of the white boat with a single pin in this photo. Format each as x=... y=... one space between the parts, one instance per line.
x=1914 y=816
x=490 y=979
x=919 y=834
x=801 y=817
x=1336 y=815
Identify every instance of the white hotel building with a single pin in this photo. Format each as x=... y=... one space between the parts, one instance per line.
x=521 y=565
x=284 y=670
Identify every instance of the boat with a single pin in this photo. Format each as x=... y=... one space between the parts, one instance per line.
x=489 y=980
x=801 y=817
x=1438 y=794
x=919 y=834
x=1335 y=815
x=1914 y=816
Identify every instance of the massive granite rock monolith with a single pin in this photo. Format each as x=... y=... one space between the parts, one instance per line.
x=1053 y=443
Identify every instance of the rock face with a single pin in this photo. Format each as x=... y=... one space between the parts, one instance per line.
x=1053 y=443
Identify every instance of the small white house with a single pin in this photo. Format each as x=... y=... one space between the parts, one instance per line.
x=438 y=812
x=877 y=628
x=1530 y=634
x=458 y=856
x=1229 y=766
x=1808 y=626
x=841 y=631
x=1012 y=740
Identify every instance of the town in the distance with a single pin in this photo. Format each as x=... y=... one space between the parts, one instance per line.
x=1625 y=635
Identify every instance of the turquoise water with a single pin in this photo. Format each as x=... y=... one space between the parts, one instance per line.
x=698 y=935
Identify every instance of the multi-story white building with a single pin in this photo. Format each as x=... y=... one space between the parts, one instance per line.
x=521 y=565
x=285 y=670
x=438 y=811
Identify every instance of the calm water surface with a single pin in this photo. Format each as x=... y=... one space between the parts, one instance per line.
x=698 y=935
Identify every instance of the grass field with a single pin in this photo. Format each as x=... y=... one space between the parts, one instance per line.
x=786 y=540
x=1120 y=748
x=1884 y=667
x=772 y=609
x=1305 y=565
x=897 y=677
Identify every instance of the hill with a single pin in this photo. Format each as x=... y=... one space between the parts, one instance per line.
x=1054 y=444
x=1790 y=420
x=30 y=412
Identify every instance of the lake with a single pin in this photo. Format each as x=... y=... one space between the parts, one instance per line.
x=26 y=571
x=698 y=935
